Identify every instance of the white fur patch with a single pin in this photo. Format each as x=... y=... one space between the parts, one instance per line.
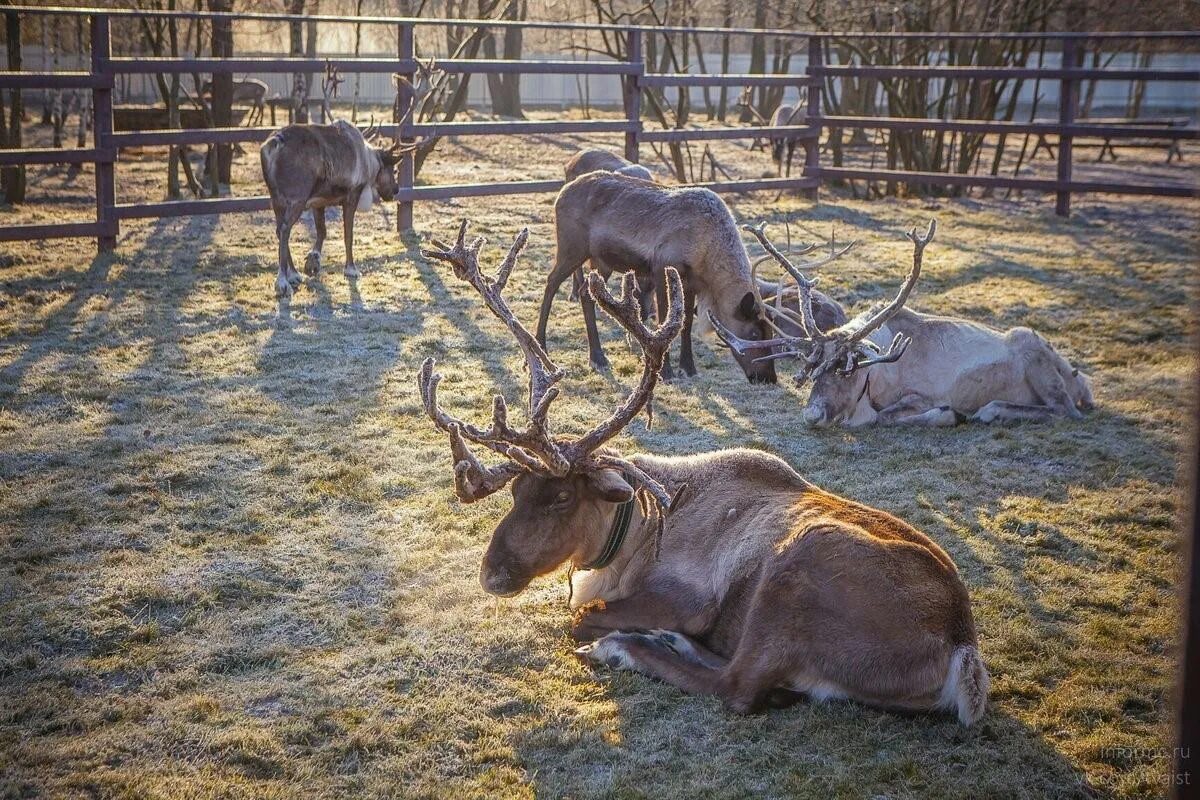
x=366 y=165
x=366 y=199
x=609 y=651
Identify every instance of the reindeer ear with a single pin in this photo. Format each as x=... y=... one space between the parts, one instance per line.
x=609 y=484
x=748 y=308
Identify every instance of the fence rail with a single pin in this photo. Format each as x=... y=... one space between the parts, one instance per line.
x=104 y=70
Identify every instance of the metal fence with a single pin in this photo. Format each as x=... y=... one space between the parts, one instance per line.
x=105 y=68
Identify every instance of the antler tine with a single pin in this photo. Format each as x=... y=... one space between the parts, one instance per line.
x=888 y=311
x=744 y=346
x=777 y=309
x=899 y=344
x=804 y=285
x=626 y=311
x=472 y=480
x=543 y=374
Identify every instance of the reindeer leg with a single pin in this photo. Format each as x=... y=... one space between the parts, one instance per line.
x=348 y=208
x=687 y=361
x=312 y=262
x=660 y=291
x=285 y=218
x=560 y=273
x=914 y=409
x=1000 y=411
x=576 y=285
x=664 y=604
x=746 y=684
x=596 y=355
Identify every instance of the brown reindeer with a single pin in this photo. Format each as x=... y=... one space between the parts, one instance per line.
x=765 y=587
x=620 y=223
x=952 y=370
x=316 y=166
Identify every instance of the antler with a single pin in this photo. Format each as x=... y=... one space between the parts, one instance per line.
x=534 y=449
x=845 y=349
x=627 y=312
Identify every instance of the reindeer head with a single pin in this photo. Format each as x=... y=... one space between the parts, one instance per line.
x=389 y=154
x=835 y=360
x=565 y=490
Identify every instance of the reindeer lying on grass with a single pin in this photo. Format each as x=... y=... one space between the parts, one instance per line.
x=316 y=166
x=765 y=588
x=892 y=365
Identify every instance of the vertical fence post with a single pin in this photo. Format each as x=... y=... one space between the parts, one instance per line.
x=812 y=141
x=102 y=104
x=633 y=95
x=1068 y=100
x=405 y=101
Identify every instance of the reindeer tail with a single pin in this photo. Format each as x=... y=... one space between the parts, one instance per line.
x=966 y=687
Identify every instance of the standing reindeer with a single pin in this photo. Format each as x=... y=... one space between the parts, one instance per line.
x=317 y=166
x=249 y=90
x=586 y=161
x=765 y=586
x=785 y=114
x=620 y=223
x=892 y=365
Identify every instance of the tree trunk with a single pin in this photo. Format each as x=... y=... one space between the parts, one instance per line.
x=299 y=112
x=12 y=179
x=727 y=21
x=85 y=97
x=358 y=9
x=222 y=89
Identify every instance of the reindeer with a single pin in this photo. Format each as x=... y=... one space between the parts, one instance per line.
x=250 y=91
x=785 y=114
x=952 y=369
x=621 y=223
x=586 y=161
x=765 y=587
x=316 y=166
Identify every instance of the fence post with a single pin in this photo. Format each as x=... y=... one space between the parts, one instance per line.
x=633 y=95
x=1068 y=101
x=812 y=142
x=102 y=105
x=405 y=99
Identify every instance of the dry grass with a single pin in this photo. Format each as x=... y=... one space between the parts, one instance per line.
x=233 y=564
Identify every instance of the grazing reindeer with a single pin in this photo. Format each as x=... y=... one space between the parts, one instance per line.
x=586 y=161
x=250 y=91
x=620 y=223
x=316 y=166
x=765 y=587
x=951 y=370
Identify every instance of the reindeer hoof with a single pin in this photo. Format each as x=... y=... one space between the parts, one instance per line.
x=283 y=289
x=351 y=271
x=294 y=278
x=312 y=263
x=611 y=651
x=600 y=365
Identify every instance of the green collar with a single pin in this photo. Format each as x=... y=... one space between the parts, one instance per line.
x=616 y=536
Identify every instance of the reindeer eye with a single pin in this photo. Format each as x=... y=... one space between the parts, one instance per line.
x=562 y=498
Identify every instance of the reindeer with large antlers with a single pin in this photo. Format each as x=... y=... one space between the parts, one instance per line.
x=764 y=587
x=893 y=365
